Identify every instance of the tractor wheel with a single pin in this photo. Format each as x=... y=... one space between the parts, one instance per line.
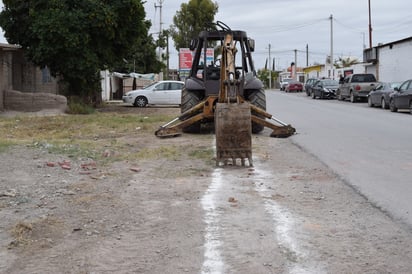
x=257 y=98
x=189 y=100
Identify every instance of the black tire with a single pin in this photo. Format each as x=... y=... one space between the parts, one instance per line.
x=410 y=107
x=257 y=98
x=370 y=102
x=189 y=100
x=392 y=106
x=140 y=102
x=384 y=105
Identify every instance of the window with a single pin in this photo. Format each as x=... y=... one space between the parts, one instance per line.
x=175 y=86
x=162 y=86
x=45 y=75
x=404 y=86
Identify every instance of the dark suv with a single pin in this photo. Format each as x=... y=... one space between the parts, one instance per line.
x=308 y=85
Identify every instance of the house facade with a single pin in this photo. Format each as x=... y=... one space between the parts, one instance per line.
x=6 y=79
x=20 y=79
x=323 y=71
x=390 y=62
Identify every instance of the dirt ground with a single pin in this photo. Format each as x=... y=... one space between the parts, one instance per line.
x=287 y=214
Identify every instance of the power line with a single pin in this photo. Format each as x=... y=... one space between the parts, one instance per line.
x=347 y=27
x=282 y=28
x=406 y=23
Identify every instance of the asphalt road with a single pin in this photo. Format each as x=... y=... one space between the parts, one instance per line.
x=369 y=148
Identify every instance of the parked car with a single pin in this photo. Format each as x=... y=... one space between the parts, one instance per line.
x=158 y=93
x=379 y=96
x=325 y=88
x=401 y=98
x=308 y=85
x=294 y=86
x=284 y=82
x=356 y=86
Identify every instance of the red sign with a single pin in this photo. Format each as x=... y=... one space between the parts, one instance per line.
x=185 y=59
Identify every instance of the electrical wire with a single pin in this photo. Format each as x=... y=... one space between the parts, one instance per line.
x=284 y=28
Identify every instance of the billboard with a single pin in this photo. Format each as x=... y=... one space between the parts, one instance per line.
x=186 y=59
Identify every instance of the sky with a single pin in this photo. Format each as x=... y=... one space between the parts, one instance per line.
x=289 y=25
x=294 y=24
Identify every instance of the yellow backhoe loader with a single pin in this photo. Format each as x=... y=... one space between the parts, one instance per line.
x=227 y=94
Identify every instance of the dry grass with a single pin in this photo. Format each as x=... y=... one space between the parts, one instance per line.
x=27 y=129
x=21 y=233
x=106 y=136
x=79 y=135
x=37 y=233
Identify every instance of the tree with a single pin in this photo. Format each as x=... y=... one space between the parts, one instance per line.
x=344 y=62
x=192 y=18
x=76 y=39
x=263 y=75
x=142 y=57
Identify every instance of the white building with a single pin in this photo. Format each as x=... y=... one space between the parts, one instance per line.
x=390 y=62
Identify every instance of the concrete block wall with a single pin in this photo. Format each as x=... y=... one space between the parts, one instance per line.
x=30 y=102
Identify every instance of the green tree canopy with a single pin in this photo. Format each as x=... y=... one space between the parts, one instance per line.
x=192 y=18
x=76 y=39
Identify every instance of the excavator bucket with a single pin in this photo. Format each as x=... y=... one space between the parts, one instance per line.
x=233 y=132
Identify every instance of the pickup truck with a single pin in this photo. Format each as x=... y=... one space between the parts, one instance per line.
x=356 y=86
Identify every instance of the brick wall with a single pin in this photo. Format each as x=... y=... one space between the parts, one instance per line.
x=5 y=74
x=25 y=87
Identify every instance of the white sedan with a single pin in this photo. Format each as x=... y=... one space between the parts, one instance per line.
x=158 y=93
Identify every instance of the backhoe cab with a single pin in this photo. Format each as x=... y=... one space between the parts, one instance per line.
x=226 y=93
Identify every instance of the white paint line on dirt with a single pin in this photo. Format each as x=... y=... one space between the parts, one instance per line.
x=286 y=225
x=213 y=262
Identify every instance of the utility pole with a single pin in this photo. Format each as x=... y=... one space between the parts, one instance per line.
x=370 y=25
x=307 y=55
x=160 y=24
x=270 y=71
x=167 y=55
x=331 y=47
x=295 y=76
